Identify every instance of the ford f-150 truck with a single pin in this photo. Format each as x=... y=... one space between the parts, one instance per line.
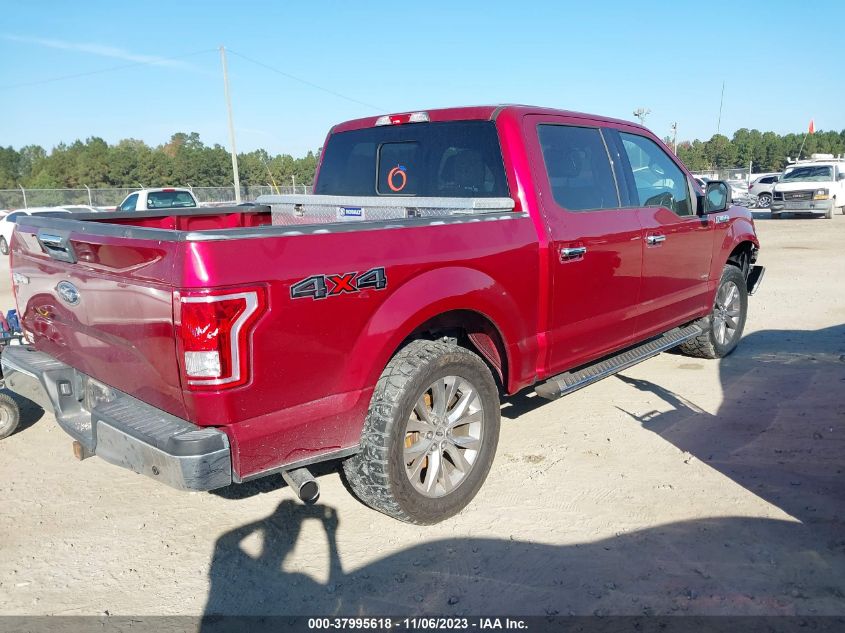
x=447 y=258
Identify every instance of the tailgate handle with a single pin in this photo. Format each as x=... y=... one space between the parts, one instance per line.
x=57 y=245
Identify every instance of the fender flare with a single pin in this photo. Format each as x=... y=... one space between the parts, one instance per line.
x=424 y=297
x=741 y=230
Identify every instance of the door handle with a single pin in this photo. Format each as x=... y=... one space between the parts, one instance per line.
x=572 y=252
x=721 y=219
x=654 y=240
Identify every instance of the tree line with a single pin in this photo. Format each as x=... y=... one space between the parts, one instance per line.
x=184 y=160
x=766 y=151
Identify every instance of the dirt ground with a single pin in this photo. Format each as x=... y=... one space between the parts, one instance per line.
x=679 y=486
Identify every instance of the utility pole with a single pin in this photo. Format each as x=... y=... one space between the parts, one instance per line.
x=721 y=101
x=675 y=137
x=237 y=176
x=641 y=114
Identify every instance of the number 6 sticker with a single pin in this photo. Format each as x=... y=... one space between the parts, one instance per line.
x=397 y=173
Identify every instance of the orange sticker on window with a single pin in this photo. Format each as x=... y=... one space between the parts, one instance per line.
x=397 y=172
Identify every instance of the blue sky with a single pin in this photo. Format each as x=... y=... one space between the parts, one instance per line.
x=607 y=57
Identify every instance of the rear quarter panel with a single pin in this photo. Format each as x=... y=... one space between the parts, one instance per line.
x=315 y=362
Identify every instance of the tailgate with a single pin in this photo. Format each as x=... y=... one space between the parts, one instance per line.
x=102 y=304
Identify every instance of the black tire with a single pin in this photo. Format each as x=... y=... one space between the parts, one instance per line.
x=4 y=246
x=377 y=474
x=10 y=415
x=764 y=200
x=707 y=344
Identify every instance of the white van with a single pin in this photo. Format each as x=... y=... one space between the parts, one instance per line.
x=811 y=186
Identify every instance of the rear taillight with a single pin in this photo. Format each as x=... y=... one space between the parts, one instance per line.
x=214 y=335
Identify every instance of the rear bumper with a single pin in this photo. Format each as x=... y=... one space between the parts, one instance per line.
x=119 y=428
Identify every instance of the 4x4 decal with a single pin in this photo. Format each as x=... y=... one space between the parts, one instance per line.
x=322 y=286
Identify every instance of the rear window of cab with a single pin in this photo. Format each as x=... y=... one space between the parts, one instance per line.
x=460 y=159
x=169 y=199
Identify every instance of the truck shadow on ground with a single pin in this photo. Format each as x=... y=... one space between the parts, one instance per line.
x=780 y=430
x=780 y=433
x=710 y=566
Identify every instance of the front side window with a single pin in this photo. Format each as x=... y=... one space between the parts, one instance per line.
x=659 y=182
x=129 y=203
x=578 y=167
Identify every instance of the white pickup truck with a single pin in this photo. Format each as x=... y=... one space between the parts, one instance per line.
x=163 y=198
x=811 y=186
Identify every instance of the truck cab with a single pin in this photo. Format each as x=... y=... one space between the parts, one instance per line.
x=811 y=187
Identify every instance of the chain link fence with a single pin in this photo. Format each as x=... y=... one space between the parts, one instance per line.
x=727 y=173
x=27 y=198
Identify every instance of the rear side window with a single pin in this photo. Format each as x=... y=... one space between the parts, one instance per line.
x=169 y=199
x=457 y=159
x=658 y=180
x=578 y=167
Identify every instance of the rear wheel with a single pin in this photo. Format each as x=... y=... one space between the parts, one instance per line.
x=722 y=328
x=430 y=435
x=4 y=246
x=764 y=200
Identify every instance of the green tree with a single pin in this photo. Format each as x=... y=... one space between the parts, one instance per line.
x=9 y=167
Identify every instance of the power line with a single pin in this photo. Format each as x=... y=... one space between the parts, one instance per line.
x=306 y=82
x=156 y=62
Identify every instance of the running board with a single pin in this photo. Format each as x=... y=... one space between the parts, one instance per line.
x=570 y=381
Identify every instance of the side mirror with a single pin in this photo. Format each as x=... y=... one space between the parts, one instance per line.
x=717 y=197
x=841 y=176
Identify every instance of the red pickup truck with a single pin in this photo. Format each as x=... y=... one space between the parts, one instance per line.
x=447 y=257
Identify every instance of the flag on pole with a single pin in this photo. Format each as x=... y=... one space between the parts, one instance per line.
x=812 y=128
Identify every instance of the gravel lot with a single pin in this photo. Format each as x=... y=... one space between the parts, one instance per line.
x=680 y=486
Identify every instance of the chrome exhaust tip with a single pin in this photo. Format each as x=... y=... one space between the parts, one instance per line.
x=302 y=482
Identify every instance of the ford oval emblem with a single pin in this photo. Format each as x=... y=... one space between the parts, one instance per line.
x=68 y=292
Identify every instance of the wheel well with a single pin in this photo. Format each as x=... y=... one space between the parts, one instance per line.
x=471 y=330
x=742 y=256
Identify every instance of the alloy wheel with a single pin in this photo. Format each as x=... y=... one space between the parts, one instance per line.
x=726 y=313
x=443 y=436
